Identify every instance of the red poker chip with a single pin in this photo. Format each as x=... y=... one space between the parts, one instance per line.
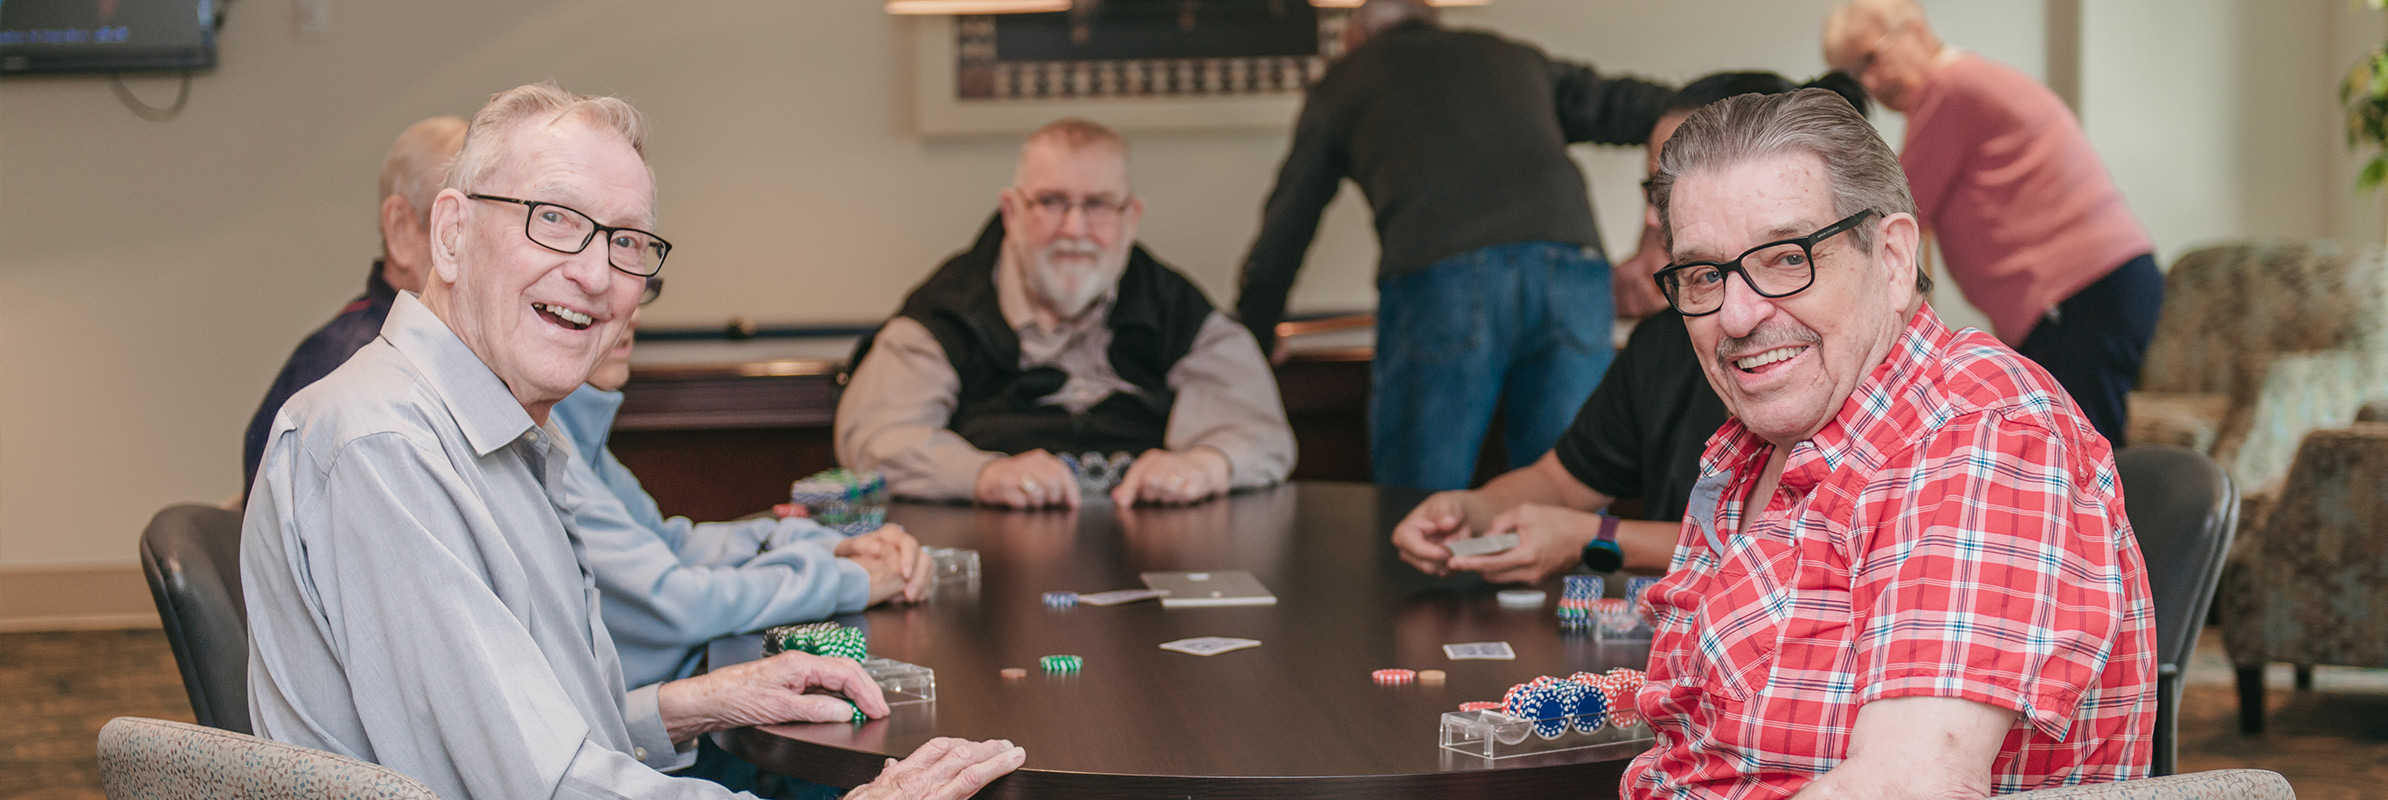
x=1391 y=676
x=1480 y=705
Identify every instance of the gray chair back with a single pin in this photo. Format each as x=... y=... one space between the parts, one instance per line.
x=146 y=758
x=2185 y=510
x=2221 y=784
x=191 y=554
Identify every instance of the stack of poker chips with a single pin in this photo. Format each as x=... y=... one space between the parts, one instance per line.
x=1585 y=701
x=1621 y=685
x=1394 y=677
x=1541 y=702
x=1575 y=601
x=818 y=638
x=848 y=501
x=1062 y=663
x=1061 y=599
x=1098 y=473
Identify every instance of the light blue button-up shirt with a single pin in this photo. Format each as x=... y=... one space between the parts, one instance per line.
x=669 y=585
x=417 y=597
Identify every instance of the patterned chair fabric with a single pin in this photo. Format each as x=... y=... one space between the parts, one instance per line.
x=2259 y=344
x=2309 y=584
x=2221 y=784
x=145 y=758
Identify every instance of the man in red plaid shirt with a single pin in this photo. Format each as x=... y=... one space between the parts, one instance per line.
x=1905 y=569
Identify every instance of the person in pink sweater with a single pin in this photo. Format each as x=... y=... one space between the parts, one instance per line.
x=2031 y=225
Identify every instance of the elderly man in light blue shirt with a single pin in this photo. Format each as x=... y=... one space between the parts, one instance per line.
x=671 y=585
x=418 y=594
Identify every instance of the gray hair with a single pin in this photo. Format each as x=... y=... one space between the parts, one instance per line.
x=485 y=142
x=1859 y=167
x=418 y=161
x=1376 y=15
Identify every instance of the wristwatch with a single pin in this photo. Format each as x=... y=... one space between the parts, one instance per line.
x=1602 y=553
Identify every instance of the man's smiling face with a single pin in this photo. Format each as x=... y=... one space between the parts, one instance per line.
x=1784 y=366
x=539 y=318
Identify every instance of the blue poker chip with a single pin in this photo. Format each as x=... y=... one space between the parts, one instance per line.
x=1548 y=712
x=1592 y=709
x=1061 y=599
x=1582 y=587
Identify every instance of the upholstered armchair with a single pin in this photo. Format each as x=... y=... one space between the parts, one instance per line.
x=2309 y=583
x=2261 y=343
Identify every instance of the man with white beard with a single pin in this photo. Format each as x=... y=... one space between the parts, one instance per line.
x=1053 y=335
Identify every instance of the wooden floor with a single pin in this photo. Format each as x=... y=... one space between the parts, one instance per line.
x=56 y=689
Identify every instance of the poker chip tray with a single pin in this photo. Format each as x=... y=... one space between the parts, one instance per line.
x=1494 y=735
x=902 y=683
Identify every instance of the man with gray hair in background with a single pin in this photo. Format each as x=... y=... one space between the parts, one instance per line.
x=1056 y=334
x=1904 y=570
x=1492 y=289
x=410 y=175
x=416 y=594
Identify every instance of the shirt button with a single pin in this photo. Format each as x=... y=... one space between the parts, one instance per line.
x=639 y=753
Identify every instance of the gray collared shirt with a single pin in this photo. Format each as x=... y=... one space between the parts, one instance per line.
x=893 y=415
x=416 y=598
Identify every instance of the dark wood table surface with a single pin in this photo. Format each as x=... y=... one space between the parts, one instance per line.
x=1298 y=716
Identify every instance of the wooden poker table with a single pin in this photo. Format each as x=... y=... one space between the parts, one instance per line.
x=1298 y=716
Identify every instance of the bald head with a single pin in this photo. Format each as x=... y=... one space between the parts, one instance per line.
x=410 y=176
x=1374 y=16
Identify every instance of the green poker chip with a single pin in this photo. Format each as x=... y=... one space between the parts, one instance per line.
x=1064 y=663
x=818 y=638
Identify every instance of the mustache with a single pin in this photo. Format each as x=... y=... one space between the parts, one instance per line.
x=1073 y=247
x=1766 y=338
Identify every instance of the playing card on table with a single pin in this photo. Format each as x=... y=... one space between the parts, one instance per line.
x=1479 y=651
x=1209 y=645
x=1121 y=596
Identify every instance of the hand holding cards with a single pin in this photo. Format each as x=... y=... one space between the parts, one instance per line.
x=1482 y=545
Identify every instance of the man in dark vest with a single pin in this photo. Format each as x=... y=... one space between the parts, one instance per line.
x=1054 y=335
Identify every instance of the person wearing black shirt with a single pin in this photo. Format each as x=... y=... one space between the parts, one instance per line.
x=410 y=176
x=1639 y=436
x=1492 y=289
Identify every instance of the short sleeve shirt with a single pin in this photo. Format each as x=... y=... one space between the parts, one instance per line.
x=1956 y=530
x=1640 y=434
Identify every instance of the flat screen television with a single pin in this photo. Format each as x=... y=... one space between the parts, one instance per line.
x=107 y=35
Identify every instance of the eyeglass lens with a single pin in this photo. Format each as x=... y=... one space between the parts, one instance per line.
x=1774 y=270
x=1100 y=209
x=566 y=230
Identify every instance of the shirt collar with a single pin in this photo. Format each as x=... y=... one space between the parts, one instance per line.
x=586 y=416
x=483 y=407
x=1861 y=422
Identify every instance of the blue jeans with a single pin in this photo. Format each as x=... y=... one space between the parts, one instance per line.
x=1519 y=327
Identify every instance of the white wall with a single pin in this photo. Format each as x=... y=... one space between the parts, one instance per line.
x=156 y=273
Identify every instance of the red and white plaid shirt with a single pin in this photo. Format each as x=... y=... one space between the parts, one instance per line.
x=1956 y=530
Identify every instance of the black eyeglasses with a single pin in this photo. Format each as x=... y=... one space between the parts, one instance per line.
x=1773 y=269
x=1102 y=210
x=565 y=230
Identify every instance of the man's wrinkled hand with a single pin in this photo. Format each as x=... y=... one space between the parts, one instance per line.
x=1163 y=477
x=943 y=769
x=1034 y=479
x=789 y=687
x=893 y=550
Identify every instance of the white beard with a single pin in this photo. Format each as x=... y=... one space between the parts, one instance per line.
x=1072 y=286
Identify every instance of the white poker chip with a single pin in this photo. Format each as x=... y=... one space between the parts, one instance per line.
x=1522 y=598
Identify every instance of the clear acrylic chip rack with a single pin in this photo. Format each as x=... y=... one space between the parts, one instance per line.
x=1494 y=735
x=902 y=683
